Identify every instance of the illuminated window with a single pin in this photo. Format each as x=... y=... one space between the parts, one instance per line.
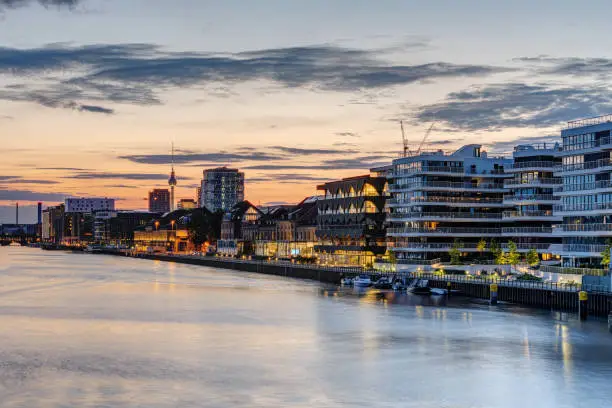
x=369 y=190
x=369 y=208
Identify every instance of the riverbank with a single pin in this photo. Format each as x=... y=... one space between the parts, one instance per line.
x=534 y=294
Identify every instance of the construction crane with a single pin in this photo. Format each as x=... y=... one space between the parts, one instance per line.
x=424 y=138
x=404 y=140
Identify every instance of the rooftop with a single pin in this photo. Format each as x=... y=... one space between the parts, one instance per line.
x=589 y=121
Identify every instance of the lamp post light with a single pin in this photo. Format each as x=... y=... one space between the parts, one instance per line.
x=156 y=225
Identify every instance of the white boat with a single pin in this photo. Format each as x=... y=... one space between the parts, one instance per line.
x=362 y=280
x=93 y=248
x=347 y=282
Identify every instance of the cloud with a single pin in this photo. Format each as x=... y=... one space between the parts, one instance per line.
x=61 y=168
x=21 y=180
x=221 y=157
x=570 y=66
x=119 y=176
x=347 y=134
x=516 y=105
x=286 y=178
x=96 y=109
x=300 y=151
x=121 y=186
x=135 y=73
x=45 y=3
x=356 y=163
x=27 y=195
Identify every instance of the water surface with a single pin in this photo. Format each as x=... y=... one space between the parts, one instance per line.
x=82 y=330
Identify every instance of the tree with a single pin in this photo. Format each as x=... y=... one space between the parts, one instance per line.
x=500 y=258
x=532 y=257
x=455 y=253
x=204 y=226
x=495 y=248
x=512 y=257
x=605 y=254
x=481 y=246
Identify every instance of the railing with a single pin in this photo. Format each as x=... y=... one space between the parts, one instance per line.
x=583 y=227
x=527 y=214
x=537 y=146
x=584 y=186
x=447 y=184
x=586 y=207
x=523 y=246
x=534 y=164
x=589 y=121
x=527 y=230
x=597 y=249
x=531 y=197
x=443 y=200
x=442 y=215
x=532 y=182
x=413 y=261
x=437 y=246
x=443 y=230
x=447 y=169
x=589 y=165
x=573 y=271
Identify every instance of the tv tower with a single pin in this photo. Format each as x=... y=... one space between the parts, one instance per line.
x=172 y=183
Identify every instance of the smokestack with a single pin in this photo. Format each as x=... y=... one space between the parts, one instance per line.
x=39 y=213
x=17 y=213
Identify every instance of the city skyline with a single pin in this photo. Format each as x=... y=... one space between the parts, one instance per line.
x=292 y=94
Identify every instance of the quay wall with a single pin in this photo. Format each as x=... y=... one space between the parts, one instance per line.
x=554 y=297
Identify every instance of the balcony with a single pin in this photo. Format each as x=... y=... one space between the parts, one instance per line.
x=445 y=216
x=527 y=231
x=449 y=231
x=540 y=247
x=450 y=201
x=580 y=249
x=595 y=230
x=447 y=170
x=568 y=209
x=533 y=166
x=597 y=120
x=544 y=215
x=531 y=199
x=447 y=186
x=539 y=182
x=596 y=165
x=598 y=185
x=434 y=247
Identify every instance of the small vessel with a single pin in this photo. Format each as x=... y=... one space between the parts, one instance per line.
x=419 y=287
x=383 y=283
x=346 y=282
x=362 y=281
x=93 y=248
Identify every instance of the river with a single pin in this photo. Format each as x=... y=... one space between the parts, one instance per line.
x=82 y=330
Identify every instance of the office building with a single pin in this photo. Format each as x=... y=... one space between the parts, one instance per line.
x=586 y=194
x=445 y=200
x=222 y=188
x=89 y=205
x=117 y=227
x=159 y=201
x=52 y=229
x=531 y=192
x=350 y=221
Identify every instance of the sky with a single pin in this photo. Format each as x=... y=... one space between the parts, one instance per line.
x=293 y=92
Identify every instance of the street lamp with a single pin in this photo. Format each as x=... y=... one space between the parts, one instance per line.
x=156 y=225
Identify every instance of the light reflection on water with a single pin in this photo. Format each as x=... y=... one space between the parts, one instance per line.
x=88 y=331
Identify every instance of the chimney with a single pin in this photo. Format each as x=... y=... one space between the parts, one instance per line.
x=17 y=213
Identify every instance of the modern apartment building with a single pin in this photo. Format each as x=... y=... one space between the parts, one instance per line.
x=159 y=201
x=531 y=193
x=222 y=188
x=351 y=221
x=586 y=194
x=438 y=198
x=89 y=205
